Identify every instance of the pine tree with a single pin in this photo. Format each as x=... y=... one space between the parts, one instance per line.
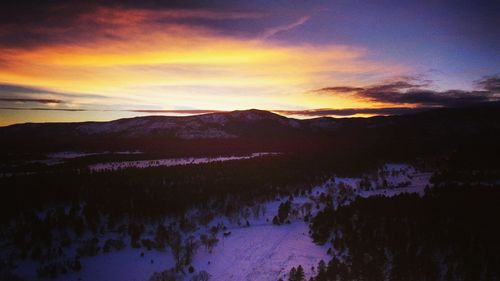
x=291 y=275
x=321 y=271
x=283 y=211
x=299 y=274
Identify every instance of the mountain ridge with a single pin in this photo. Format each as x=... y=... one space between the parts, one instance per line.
x=256 y=130
x=221 y=113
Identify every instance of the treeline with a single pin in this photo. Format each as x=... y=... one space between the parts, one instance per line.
x=449 y=234
x=169 y=190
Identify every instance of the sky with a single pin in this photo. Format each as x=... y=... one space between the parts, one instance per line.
x=65 y=61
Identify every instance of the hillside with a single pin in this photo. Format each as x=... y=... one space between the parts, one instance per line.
x=255 y=130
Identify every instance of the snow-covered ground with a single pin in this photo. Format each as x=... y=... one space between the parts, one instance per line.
x=417 y=184
x=390 y=180
x=260 y=251
x=76 y=154
x=169 y=162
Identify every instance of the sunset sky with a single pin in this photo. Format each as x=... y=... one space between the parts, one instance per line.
x=102 y=60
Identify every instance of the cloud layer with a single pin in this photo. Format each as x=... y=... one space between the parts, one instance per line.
x=103 y=59
x=410 y=91
x=162 y=57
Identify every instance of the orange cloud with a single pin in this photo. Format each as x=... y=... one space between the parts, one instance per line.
x=140 y=56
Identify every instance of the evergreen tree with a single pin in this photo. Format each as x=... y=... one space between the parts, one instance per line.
x=321 y=271
x=291 y=275
x=299 y=274
x=283 y=211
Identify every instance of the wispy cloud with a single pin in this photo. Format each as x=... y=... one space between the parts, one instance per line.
x=284 y=28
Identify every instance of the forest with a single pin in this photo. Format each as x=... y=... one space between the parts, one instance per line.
x=449 y=234
x=45 y=213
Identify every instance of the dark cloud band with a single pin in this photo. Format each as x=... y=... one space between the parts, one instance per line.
x=22 y=93
x=414 y=93
x=179 y=111
x=44 y=101
x=351 y=111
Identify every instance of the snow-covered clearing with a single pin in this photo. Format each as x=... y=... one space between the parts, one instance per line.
x=76 y=154
x=390 y=180
x=170 y=162
x=261 y=252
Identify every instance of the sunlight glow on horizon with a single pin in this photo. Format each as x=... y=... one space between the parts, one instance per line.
x=119 y=59
x=175 y=66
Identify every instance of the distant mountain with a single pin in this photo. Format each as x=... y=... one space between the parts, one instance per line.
x=252 y=130
x=205 y=126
